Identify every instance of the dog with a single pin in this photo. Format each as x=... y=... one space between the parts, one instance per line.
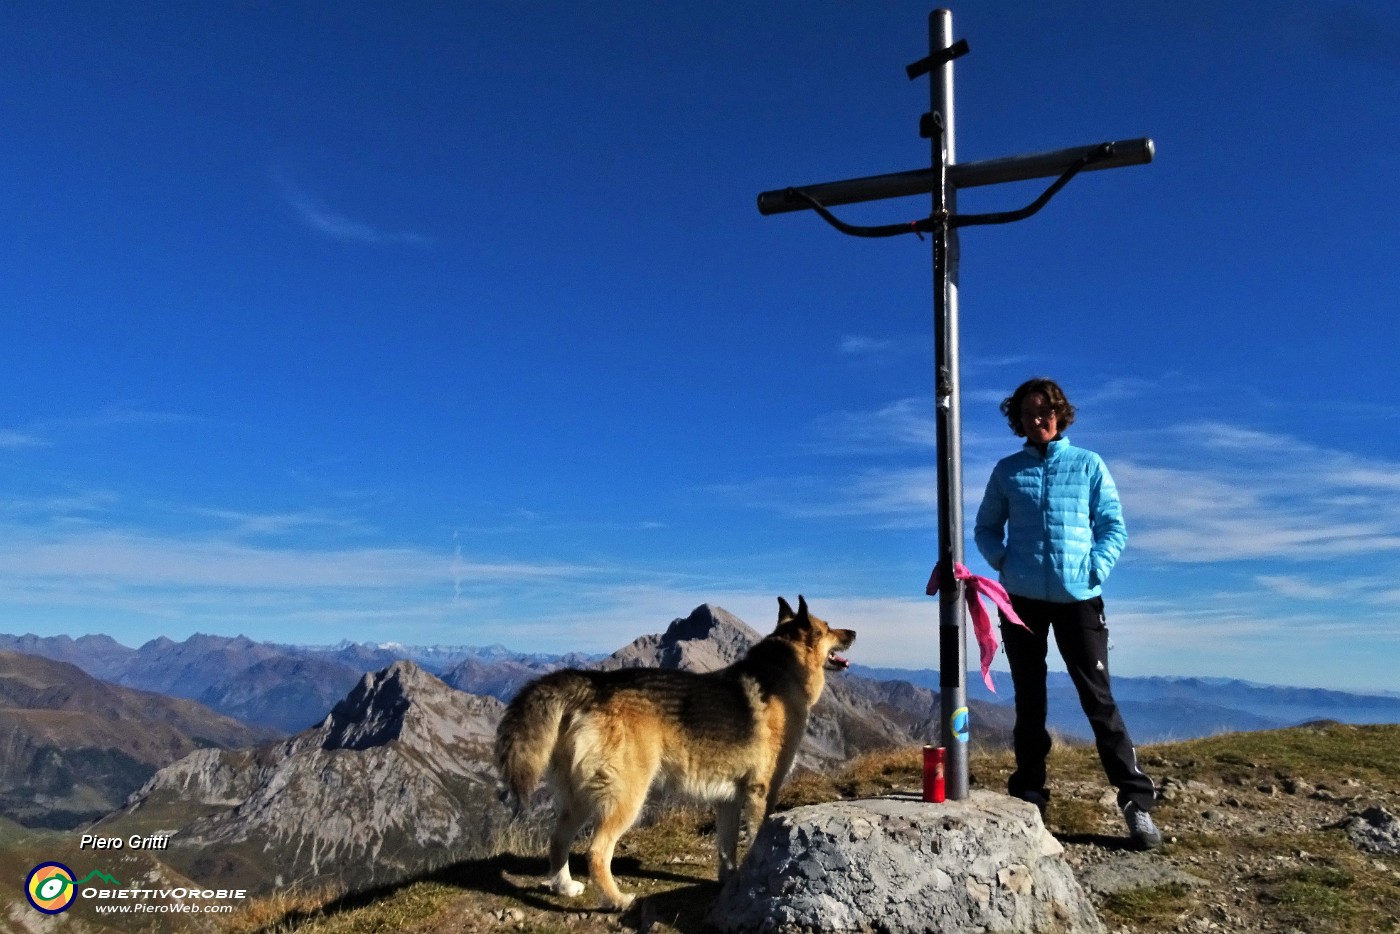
x=605 y=738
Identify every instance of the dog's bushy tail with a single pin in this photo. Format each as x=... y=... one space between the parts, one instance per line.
x=529 y=731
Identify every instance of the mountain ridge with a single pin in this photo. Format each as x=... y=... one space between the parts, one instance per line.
x=286 y=687
x=76 y=746
x=401 y=772
x=397 y=780
x=397 y=776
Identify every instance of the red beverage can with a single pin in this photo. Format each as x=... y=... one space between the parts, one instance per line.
x=933 y=774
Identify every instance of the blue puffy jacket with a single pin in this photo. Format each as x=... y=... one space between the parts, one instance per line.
x=1051 y=523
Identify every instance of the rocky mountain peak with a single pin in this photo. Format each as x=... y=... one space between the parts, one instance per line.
x=374 y=712
x=708 y=639
x=398 y=776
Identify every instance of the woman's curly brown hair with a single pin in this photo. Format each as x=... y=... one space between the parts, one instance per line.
x=1011 y=405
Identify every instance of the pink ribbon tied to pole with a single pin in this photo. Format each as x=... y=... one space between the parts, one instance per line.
x=975 y=588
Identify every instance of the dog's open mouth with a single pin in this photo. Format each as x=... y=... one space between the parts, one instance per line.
x=835 y=662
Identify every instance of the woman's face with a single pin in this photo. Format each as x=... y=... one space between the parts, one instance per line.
x=1038 y=419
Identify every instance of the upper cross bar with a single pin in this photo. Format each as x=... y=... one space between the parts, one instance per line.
x=961 y=175
x=929 y=62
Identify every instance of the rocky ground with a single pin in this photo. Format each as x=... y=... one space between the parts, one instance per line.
x=1256 y=850
x=1286 y=831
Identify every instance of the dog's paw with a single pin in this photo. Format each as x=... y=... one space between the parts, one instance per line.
x=510 y=801
x=569 y=888
x=621 y=905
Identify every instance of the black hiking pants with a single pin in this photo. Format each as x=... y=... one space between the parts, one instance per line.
x=1081 y=634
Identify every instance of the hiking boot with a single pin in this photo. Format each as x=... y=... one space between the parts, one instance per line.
x=1039 y=799
x=1141 y=829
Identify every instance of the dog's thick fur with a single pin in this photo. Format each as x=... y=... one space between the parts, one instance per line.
x=604 y=738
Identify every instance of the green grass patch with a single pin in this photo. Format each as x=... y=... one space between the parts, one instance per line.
x=1333 y=751
x=1148 y=905
x=404 y=909
x=1301 y=880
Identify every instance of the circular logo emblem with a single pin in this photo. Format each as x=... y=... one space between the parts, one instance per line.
x=50 y=888
x=960 y=724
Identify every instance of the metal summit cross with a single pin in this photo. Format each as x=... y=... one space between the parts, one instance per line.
x=943 y=180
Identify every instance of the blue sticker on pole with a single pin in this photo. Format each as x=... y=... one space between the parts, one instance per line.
x=959 y=724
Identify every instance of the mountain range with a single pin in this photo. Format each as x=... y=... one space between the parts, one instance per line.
x=73 y=747
x=399 y=778
x=287 y=688
x=396 y=777
x=1166 y=709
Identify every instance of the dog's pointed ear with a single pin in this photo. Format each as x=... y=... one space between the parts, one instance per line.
x=802 y=606
x=785 y=610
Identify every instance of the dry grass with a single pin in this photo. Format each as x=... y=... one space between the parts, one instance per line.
x=1279 y=879
x=266 y=913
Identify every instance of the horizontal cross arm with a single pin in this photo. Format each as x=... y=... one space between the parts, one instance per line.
x=961 y=175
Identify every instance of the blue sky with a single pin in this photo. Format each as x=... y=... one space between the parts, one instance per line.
x=456 y=323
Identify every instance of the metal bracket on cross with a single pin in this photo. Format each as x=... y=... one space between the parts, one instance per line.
x=943 y=180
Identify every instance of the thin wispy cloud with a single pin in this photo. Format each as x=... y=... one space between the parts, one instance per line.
x=1249 y=495
x=904 y=423
x=60 y=508
x=82 y=572
x=13 y=440
x=1196 y=493
x=864 y=350
x=1118 y=390
x=1294 y=588
x=146 y=559
x=138 y=559
x=121 y=416
x=882 y=498
x=859 y=345
x=240 y=523
x=328 y=222
x=56 y=430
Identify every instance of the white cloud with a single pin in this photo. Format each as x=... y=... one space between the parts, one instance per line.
x=66 y=430
x=322 y=219
x=146 y=560
x=1197 y=493
x=856 y=345
x=1293 y=588
x=81 y=572
x=904 y=423
x=885 y=498
x=241 y=523
x=11 y=439
x=1246 y=494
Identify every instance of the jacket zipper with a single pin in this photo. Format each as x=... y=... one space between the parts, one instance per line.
x=1047 y=564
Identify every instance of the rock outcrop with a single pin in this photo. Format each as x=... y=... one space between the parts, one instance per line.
x=1375 y=830
x=708 y=639
x=898 y=865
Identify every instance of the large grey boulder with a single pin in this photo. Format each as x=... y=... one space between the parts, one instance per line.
x=897 y=865
x=1375 y=830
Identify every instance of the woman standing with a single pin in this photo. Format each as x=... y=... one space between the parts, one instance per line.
x=1051 y=525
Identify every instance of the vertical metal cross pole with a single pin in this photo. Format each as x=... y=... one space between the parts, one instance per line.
x=943 y=179
x=952 y=629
